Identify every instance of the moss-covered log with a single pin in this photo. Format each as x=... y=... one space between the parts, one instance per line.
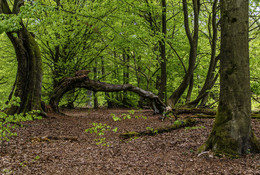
x=150 y=131
x=253 y=116
x=194 y=111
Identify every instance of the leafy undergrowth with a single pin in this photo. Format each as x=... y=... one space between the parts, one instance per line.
x=168 y=153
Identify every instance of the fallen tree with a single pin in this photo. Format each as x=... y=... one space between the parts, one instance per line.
x=82 y=81
x=150 y=131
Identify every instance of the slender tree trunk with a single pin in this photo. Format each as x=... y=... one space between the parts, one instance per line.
x=163 y=61
x=95 y=93
x=190 y=90
x=211 y=77
x=232 y=131
x=193 y=40
x=107 y=96
x=126 y=58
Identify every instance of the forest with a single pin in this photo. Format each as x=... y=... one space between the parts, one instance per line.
x=129 y=87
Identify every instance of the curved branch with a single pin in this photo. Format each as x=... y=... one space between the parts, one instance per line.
x=70 y=83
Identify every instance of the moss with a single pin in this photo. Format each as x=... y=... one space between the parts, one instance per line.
x=151 y=131
x=255 y=144
x=202 y=148
x=129 y=135
x=256 y=116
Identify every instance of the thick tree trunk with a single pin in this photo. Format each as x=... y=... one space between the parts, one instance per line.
x=232 y=132
x=84 y=82
x=29 y=73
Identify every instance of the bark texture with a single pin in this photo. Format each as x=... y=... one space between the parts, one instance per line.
x=71 y=83
x=29 y=74
x=232 y=132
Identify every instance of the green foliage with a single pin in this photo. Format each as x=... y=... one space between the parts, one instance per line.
x=9 y=23
x=123 y=117
x=155 y=131
x=10 y=122
x=178 y=122
x=99 y=130
x=126 y=116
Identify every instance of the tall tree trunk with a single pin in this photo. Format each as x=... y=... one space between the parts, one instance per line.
x=163 y=61
x=193 y=41
x=211 y=77
x=126 y=58
x=232 y=132
x=103 y=72
x=190 y=89
x=95 y=93
x=29 y=74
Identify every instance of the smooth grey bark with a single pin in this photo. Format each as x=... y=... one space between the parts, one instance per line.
x=232 y=131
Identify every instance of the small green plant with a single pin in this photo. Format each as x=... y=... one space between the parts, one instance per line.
x=99 y=129
x=10 y=122
x=115 y=118
x=126 y=116
x=140 y=117
x=23 y=164
x=178 y=122
x=131 y=112
x=36 y=157
x=155 y=131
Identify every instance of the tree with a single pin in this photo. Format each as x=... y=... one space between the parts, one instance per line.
x=232 y=132
x=29 y=73
x=193 y=41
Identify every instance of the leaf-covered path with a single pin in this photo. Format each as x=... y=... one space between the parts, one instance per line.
x=168 y=153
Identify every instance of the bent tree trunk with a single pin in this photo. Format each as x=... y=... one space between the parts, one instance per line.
x=232 y=132
x=71 y=83
x=29 y=73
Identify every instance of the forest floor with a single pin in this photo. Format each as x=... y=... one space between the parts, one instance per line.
x=168 y=153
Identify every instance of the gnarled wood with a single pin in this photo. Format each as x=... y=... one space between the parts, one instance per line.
x=70 y=83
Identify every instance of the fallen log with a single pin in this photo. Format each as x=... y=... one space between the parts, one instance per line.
x=70 y=83
x=151 y=132
x=194 y=111
x=253 y=116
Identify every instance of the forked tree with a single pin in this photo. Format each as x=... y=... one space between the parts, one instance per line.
x=232 y=131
